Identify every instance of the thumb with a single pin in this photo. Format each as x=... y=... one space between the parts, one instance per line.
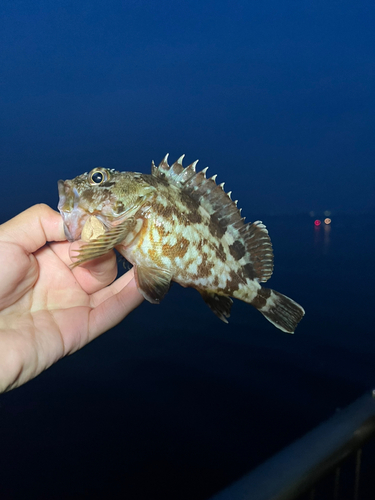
x=32 y=228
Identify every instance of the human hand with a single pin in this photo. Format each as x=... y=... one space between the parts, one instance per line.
x=48 y=310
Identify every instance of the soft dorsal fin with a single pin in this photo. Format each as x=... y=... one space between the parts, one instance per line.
x=249 y=243
x=258 y=250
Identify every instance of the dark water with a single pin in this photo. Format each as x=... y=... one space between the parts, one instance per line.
x=174 y=404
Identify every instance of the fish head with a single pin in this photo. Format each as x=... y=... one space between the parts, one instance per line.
x=106 y=194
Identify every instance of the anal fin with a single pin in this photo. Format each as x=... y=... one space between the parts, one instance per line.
x=152 y=282
x=219 y=304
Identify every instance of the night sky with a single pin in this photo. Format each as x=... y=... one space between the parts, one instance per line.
x=277 y=98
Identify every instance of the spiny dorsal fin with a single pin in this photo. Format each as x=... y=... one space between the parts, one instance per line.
x=205 y=191
x=175 y=173
x=249 y=243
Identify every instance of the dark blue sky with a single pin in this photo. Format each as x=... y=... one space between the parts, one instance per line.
x=277 y=98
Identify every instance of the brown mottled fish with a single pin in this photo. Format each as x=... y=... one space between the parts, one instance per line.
x=176 y=224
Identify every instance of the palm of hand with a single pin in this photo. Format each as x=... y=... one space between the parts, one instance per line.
x=47 y=310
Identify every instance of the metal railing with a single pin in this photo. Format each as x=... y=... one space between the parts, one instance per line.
x=298 y=468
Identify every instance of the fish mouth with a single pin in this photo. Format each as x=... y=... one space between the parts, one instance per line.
x=68 y=196
x=62 y=194
x=73 y=215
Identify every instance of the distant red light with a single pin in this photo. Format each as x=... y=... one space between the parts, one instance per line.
x=317 y=222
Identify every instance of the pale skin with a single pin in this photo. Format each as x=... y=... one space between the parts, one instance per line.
x=48 y=310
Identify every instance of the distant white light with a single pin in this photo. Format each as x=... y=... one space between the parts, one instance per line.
x=327 y=221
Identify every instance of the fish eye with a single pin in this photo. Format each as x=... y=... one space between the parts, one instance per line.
x=97 y=176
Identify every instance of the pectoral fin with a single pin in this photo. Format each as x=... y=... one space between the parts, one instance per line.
x=104 y=243
x=152 y=282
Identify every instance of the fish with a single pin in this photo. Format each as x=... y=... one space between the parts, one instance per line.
x=176 y=224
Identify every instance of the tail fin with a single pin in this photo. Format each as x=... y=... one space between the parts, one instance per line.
x=280 y=310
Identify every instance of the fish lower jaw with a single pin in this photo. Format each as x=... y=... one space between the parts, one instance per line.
x=73 y=224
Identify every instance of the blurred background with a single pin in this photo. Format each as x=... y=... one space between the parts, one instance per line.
x=278 y=99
